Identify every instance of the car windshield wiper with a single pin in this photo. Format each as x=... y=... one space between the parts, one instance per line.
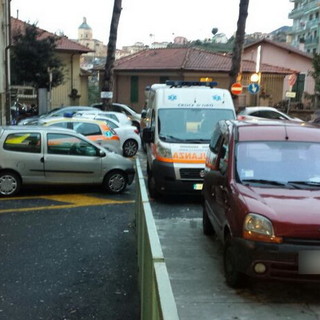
x=264 y=181
x=306 y=183
x=171 y=138
x=197 y=140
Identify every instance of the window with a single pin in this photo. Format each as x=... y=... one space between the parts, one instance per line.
x=134 y=89
x=69 y=145
x=23 y=142
x=87 y=129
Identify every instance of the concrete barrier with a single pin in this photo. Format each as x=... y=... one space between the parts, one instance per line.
x=156 y=296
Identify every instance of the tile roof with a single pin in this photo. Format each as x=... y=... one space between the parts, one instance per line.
x=63 y=43
x=281 y=45
x=188 y=59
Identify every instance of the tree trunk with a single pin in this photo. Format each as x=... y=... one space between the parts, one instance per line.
x=108 y=75
x=239 y=41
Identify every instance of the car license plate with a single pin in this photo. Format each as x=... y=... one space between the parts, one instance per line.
x=197 y=186
x=309 y=262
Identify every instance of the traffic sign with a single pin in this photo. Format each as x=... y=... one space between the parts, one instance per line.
x=290 y=94
x=253 y=88
x=236 y=88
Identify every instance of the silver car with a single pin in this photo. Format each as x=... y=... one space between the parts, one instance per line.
x=51 y=155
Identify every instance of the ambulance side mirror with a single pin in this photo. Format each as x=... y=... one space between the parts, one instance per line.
x=148 y=135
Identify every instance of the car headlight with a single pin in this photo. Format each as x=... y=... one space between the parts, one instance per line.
x=259 y=228
x=163 y=152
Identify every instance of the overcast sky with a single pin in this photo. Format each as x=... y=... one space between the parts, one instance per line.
x=152 y=20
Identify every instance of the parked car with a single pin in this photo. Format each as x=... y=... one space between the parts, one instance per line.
x=130 y=140
x=32 y=155
x=95 y=130
x=125 y=109
x=121 y=118
x=264 y=112
x=261 y=198
x=56 y=112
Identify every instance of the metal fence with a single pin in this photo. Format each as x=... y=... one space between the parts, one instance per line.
x=156 y=296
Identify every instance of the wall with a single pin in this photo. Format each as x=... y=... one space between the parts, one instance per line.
x=277 y=56
x=273 y=84
x=72 y=79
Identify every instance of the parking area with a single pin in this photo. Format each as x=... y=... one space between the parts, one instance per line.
x=68 y=255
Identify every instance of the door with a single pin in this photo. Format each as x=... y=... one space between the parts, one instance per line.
x=218 y=194
x=71 y=159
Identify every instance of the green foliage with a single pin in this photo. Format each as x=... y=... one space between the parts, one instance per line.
x=316 y=72
x=32 y=56
x=93 y=93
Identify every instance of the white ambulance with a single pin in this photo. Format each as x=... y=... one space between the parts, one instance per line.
x=182 y=116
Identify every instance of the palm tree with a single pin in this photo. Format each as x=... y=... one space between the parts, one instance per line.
x=108 y=75
x=239 y=41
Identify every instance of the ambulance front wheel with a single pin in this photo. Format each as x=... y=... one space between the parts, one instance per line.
x=153 y=192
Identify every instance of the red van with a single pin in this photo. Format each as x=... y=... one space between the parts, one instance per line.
x=261 y=197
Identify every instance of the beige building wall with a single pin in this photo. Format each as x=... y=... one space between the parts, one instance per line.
x=277 y=56
x=273 y=84
x=61 y=95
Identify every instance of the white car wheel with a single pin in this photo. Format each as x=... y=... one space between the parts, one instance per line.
x=9 y=183
x=130 y=148
x=115 y=182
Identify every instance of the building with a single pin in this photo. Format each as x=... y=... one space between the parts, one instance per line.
x=285 y=55
x=74 y=90
x=132 y=74
x=4 y=61
x=98 y=51
x=306 y=25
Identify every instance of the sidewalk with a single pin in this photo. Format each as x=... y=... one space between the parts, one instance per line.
x=194 y=263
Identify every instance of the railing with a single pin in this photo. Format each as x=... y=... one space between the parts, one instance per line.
x=156 y=296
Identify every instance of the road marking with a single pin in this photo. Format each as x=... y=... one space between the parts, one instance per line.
x=72 y=200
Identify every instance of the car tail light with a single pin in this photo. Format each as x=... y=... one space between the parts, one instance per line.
x=136 y=131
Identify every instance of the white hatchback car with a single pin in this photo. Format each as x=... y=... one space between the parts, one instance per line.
x=130 y=140
x=265 y=112
x=126 y=110
x=117 y=116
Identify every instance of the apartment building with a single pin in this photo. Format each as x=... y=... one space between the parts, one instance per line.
x=306 y=25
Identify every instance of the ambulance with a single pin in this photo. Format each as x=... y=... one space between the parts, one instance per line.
x=181 y=119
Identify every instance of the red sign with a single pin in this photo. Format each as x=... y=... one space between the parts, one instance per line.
x=236 y=88
x=292 y=79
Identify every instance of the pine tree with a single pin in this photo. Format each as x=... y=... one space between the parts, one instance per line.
x=33 y=57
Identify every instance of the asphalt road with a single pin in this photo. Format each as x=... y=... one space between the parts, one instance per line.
x=68 y=255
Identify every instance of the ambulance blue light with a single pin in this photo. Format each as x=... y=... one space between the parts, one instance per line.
x=179 y=83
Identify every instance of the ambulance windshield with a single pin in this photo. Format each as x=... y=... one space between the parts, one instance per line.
x=190 y=125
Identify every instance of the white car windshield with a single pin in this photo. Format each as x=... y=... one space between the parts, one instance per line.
x=190 y=124
x=273 y=162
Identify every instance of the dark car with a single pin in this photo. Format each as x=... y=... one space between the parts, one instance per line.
x=261 y=197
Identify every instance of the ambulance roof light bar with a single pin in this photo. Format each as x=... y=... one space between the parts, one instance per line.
x=179 y=83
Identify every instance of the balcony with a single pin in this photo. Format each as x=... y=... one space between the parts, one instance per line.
x=312 y=41
x=304 y=10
